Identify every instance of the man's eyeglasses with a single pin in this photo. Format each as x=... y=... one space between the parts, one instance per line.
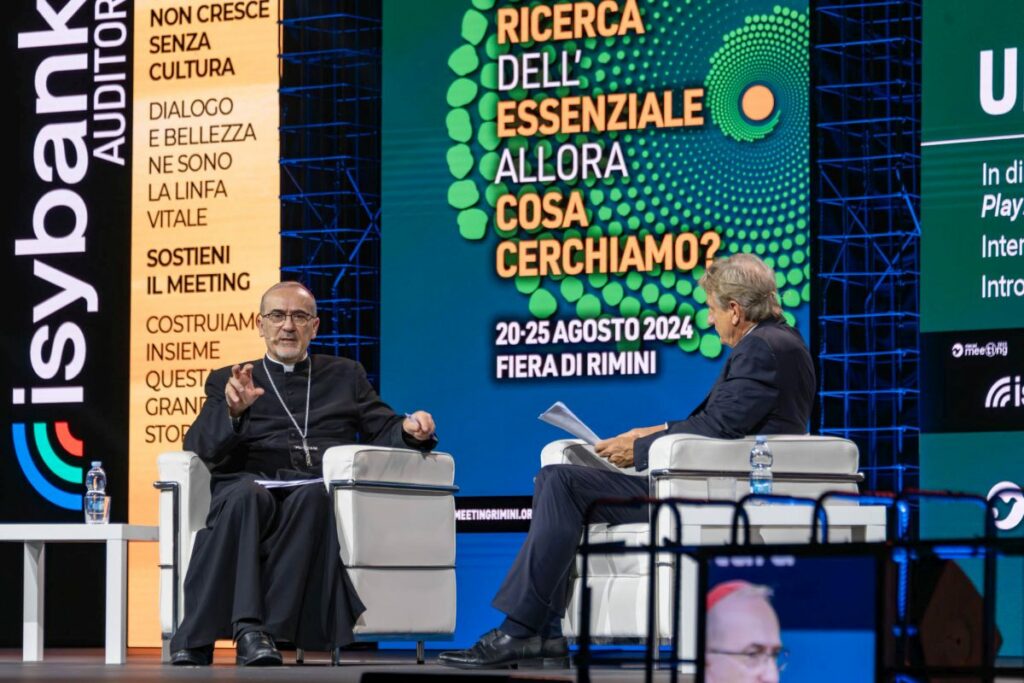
x=299 y=318
x=758 y=658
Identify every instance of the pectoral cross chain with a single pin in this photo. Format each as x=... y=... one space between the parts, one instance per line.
x=306 y=448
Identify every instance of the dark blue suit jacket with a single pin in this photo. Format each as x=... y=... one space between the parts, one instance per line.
x=766 y=387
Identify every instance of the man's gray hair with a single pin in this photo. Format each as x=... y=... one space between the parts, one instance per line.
x=287 y=283
x=747 y=280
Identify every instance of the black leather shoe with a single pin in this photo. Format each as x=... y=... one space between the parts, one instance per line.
x=193 y=656
x=256 y=648
x=555 y=652
x=496 y=650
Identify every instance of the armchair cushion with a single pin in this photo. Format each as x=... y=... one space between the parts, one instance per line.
x=399 y=602
x=627 y=564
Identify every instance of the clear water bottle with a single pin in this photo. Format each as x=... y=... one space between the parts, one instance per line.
x=97 y=503
x=760 y=467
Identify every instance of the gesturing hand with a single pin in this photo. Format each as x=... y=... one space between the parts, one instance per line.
x=240 y=391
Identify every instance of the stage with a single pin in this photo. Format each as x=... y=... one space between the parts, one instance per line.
x=368 y=667
x=379 y=667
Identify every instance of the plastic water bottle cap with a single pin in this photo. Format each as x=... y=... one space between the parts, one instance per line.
x=97 y=463
x=760 y=439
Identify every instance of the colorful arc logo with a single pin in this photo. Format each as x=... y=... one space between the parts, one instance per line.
x=59 y=468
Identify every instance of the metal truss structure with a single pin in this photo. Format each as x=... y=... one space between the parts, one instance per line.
x=865 y=169
x=866 y=66
x=330 y=168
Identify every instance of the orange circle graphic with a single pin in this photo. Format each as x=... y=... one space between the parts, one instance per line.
x=757 y=103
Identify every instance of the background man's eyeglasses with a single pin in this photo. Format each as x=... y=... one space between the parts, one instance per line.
x=299 y=318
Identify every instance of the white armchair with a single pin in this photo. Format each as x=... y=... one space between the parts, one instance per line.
x=395 y=514
x=679 y=467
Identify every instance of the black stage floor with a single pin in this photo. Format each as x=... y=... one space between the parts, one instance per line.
x=357 y=667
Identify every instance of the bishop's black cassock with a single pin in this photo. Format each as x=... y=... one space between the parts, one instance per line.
x=271 y=556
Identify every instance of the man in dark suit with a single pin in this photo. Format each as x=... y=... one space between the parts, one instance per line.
x=766 y=387
x=267 y=564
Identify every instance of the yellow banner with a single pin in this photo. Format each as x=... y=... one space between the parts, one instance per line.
x=205 y=230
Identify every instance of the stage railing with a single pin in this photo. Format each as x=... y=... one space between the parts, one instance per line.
x=892 y=661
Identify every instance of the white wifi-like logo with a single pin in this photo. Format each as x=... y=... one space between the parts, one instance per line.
x=1004 y=390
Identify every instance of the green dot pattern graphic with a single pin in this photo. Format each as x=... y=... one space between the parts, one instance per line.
x=744 y=177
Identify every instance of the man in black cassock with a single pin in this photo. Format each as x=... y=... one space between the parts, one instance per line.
x=267 y=564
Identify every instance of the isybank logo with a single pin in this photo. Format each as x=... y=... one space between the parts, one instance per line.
x=1011 y=496
x=53 y=262
x=1004 y=391
x=35 y=444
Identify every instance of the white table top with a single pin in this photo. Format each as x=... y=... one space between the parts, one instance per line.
x=77 y=532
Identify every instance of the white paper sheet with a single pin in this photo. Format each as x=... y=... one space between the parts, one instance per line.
x=285 y=484
x=560 y=416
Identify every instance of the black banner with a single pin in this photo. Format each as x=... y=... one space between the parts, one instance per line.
x=486 y=514
x=971 y=381
x=64 y=393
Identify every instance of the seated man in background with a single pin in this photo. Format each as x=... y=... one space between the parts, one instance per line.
x=766 y=387
x=267 y=564
x=744 y=644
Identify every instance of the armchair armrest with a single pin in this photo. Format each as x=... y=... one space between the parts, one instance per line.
x=184 y=504
x=558 y=453
x=804 y=465
x=796 y=454
x=555 y=452
x=376 y=466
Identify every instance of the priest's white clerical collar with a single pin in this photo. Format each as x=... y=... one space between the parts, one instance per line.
x=286 y=366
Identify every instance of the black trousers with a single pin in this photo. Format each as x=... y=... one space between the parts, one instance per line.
x=269 y=556
x=535 y=590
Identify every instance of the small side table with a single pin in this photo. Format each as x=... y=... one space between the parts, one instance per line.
x=116 y=536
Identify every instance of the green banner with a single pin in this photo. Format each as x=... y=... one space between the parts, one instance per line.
x=972 y=277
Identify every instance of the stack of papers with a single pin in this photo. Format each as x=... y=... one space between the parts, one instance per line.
x=560 y=416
